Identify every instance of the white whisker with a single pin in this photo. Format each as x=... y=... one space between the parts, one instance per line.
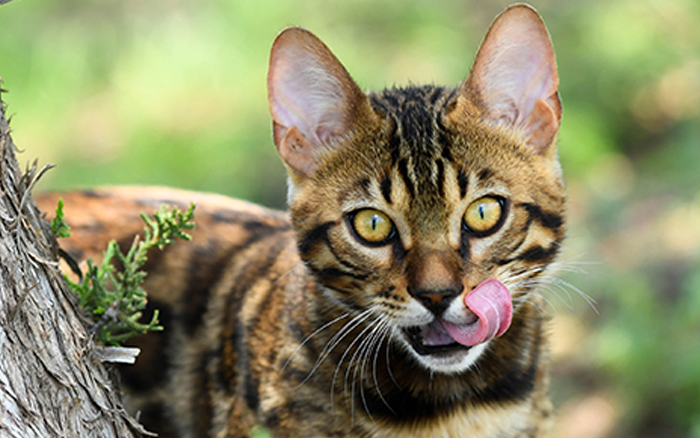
x=383 y=337
x=357 y=358
x=308 y=338
x=348 y=349
x=388 y=362
x=336 y=339
x=377 y=334
x=529 y=299
x=292 y=269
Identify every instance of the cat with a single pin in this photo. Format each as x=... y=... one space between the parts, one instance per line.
x=398 y=297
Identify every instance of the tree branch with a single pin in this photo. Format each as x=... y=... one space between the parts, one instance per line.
x=52 y=380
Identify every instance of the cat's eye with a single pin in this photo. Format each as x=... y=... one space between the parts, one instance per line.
x=372 y=226
x=484 y=215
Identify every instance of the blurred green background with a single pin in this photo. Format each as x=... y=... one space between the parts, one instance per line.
x=173 y=93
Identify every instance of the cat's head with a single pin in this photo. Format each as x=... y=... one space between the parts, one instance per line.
x=407 y=201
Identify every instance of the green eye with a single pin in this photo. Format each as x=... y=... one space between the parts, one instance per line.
x=372 y=226
x=483 y=215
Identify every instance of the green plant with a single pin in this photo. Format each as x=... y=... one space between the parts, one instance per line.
x=59 y=227
x=115 y=298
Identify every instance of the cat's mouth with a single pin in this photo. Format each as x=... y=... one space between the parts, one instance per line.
x=433 y=339
x=487 y=314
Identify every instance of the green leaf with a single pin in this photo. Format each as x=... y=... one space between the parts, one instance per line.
x=59 y=227
x=116 y=298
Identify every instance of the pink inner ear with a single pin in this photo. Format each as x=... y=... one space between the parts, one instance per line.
x=514 y=69
x=297 y=151
x=304 y=95
x=542 y=125
x=308 y=87
x=309 y=90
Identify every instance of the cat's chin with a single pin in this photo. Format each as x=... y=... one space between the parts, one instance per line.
x=441 y=357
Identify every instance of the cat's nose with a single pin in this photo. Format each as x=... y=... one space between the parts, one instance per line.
x=434 y=277
x=436 y=301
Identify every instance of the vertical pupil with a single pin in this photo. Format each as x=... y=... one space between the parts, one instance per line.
x=481 y=211
x=374 y=222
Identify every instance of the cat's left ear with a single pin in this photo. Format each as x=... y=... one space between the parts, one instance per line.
x=514 y=78
x=314 y=102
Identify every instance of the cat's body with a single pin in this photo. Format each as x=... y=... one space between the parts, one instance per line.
x=380 y=307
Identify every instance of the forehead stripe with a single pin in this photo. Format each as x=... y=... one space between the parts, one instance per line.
x=385 y=187
x=463 y=181
x=484 y=174
x=440 y=182
x=403 y=171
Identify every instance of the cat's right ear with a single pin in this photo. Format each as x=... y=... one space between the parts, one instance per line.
x=313 y=100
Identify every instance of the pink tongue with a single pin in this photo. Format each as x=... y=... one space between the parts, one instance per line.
x=490 y=302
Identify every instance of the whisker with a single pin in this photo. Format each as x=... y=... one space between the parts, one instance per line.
x=336 y=339
x=548 y=286
x=523 y=270
x=547 y=282
x=308 y=338
x=526 y=281
x=528 y=272
x=558 y=266
x=387 y=330
x=357 y=357
x=388 y=362
x=587 y=298
x=376 y=335
x=289 y=271
x=528 y=298
x=345 y=353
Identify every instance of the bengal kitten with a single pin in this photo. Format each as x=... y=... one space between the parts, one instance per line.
x=398 y=297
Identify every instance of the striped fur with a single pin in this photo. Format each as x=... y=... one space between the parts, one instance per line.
x=292 y=322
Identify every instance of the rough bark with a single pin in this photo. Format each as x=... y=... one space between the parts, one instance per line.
x=52 y=382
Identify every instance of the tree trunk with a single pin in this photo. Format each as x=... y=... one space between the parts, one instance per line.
x=52 y=382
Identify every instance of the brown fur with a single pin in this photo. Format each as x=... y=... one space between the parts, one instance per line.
x=292 y=322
